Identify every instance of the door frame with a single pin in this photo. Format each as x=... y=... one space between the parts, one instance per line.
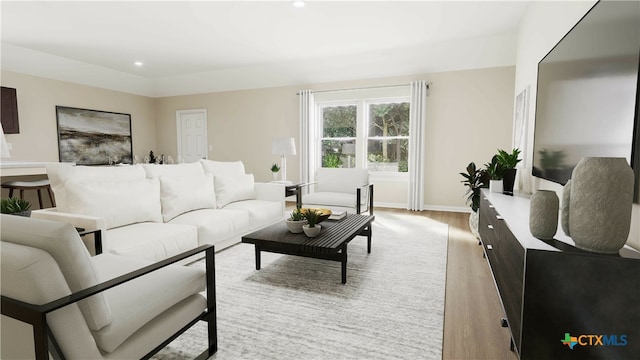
x=179 y=130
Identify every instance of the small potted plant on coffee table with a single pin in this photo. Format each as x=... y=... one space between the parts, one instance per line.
x=295 y=221
x=15 y=206
x=312 y=228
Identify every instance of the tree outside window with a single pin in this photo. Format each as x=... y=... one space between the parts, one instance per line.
x=388 y=137
x=339 y=131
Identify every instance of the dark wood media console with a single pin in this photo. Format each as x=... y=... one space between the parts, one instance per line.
x=550 y=288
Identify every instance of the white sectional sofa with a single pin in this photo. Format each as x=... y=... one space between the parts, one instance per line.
x=156 y=211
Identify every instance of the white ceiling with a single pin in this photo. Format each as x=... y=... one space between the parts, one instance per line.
x=196 y=46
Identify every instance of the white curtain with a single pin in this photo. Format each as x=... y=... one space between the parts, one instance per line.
x=417 y=112
x=307 y=136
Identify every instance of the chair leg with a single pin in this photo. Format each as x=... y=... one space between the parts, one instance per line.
x=40 y=199
x=10 y=193
x=21 y=193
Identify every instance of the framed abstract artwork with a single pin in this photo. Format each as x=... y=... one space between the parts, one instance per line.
x=93 y=137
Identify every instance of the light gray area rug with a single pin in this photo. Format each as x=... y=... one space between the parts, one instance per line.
x=392 y=306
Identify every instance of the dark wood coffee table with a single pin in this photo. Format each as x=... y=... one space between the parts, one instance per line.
x=331 y=244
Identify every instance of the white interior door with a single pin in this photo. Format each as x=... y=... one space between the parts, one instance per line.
x=192 y=134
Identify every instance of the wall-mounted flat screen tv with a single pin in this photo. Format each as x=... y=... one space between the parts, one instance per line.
x=588 y=93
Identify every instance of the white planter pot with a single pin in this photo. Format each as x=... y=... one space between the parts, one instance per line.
x=311 y=231
x=495 y=186
x=295 y=226
x=474 y=218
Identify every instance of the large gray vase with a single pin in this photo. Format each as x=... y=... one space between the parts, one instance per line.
x=600 y=204
x=543 y=214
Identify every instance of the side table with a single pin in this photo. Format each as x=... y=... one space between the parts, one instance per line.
x=97 y=237
x=296 y=189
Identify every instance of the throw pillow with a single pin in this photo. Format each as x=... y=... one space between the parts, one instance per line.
x=61 y=173
x=118 y=202
x=180 y=194
x=222 y=168
x=186 y=169
x=234 y=188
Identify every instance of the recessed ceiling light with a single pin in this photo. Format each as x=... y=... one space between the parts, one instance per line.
x=138 y=63
x=298 y=3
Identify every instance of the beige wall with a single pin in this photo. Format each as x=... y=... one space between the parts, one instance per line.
x=543 y=25
x=37 y=100
x=469 y=116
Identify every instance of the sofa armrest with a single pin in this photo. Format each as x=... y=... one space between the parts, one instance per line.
x=94 y=226
x=269 y=191
x=78 y=220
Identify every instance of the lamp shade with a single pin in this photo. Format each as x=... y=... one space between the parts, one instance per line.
x=283 y=146
x=4 y=148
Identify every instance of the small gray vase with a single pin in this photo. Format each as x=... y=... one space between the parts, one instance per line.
x=564 y=210
x=601 y=203
x=543 y=214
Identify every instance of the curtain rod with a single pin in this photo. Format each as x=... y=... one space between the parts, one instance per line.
x=364 y=88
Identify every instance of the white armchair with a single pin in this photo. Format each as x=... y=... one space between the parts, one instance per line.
x=341 y=190
x=58 y=300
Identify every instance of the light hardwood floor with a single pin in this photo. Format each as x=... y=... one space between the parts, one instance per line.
x=472 y=308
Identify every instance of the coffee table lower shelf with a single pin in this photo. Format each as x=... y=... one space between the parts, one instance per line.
x=331 y=244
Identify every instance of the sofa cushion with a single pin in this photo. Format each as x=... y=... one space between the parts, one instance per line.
x=261 y=212
x=222 y=167
x=62 y=242
x=179 y=194
x=230 y=188
x=151 y=241
x=215 y=225
x=186 y=169
x=118 y=202
x=340 y=180
x=60 y=173
x=150 y=292
x=332 y=199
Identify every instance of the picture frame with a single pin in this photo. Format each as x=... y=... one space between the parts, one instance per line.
x=521 y=123
x=94 y=137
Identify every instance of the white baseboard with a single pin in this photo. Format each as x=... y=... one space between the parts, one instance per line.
x=464 y=209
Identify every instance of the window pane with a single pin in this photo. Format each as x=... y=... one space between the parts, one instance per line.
x=389 y=119
x=339 y=121
x=388 y=155
x=338 y=153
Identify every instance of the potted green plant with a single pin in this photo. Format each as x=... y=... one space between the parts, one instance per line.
x=474 y=180
x=275 y=169
x=15 y=206
x=295 y=221
x=508 y=161
x=495 y=172
x=312 y=228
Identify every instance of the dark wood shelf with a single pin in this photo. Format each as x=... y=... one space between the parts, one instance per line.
x=550 y=288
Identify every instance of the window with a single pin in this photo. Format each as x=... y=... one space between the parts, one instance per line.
x=364 y=131
x=339 y=130
x=388 y=136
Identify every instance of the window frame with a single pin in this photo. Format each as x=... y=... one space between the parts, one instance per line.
x=362 y=103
